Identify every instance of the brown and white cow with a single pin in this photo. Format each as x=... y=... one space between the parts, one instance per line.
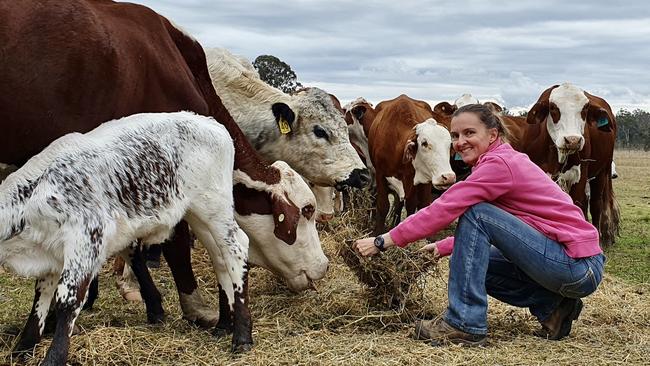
x=304 y=129
x=407 y=144
x=359 y=115
x=571 y=136
x=86 y=63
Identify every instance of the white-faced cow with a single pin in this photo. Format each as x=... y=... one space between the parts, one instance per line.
x=571 y=136
x=407 y=144
x=89 y=196
x=90 y=62
x=303 y=129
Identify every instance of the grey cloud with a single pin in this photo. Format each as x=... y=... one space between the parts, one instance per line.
x=508 y=51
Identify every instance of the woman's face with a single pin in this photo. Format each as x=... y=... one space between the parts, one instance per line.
x=470 y=137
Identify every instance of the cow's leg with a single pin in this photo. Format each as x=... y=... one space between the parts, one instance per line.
x=242 y=323
x=228 y=248
x=177 y=252
x=224 y=325
x=93 y=293
x=79 y=269
x=382 y=205
x=31 y=334
x=152 y=299
x=425 y=195
x=604 y=212
x=578 y=191
x=411 y=202
x=398 y=206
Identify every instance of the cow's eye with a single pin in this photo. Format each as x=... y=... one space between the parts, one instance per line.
x=425 y=144
x=320 y=132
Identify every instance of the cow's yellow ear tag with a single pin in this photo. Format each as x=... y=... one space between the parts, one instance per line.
x=284 y=126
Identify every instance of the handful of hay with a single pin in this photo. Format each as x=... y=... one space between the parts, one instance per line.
x=393 y=278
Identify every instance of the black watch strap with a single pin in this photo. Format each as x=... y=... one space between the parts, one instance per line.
x=379 y=243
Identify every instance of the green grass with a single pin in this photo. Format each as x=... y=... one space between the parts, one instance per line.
x=629 y=258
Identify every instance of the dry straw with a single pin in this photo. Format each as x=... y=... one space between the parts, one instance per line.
x=343 y=323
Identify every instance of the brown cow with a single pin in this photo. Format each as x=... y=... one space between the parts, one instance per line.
x=408 y=145
x=70 y=66
x=571 y=136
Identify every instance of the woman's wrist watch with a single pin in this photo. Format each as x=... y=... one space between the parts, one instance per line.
x=379 y=243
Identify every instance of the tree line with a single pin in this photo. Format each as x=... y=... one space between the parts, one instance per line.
x=633 y=129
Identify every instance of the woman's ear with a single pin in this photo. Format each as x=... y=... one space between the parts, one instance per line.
x=493 y=134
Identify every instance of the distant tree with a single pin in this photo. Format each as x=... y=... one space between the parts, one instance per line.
x=633 y=129
x=276 y=73
x=523 y=113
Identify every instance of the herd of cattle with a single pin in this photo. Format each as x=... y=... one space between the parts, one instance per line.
x=71 y=66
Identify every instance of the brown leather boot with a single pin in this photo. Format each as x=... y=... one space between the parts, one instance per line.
x=440 y=333
x=558 y=324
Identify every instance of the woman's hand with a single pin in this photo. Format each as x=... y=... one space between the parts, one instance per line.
x=431 y=248
x=366 y=247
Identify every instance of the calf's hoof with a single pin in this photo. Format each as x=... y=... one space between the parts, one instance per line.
x=241 y=348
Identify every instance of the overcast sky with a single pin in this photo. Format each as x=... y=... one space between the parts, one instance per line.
x=438 y=50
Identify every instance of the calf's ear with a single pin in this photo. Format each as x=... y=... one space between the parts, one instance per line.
x=284 y=117
x=285 y=219
x=410 y=150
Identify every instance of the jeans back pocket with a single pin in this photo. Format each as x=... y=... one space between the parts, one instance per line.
x=580 y=288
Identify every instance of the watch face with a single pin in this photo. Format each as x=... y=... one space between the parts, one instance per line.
x=379 y=242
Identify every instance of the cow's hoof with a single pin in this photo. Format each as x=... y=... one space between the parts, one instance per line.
x=201 y=322
x=241 y=348
x=221 y=332
x=21 y=352
x=155 y=318
x=196 y=311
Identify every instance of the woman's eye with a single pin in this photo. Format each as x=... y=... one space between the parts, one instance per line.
x=320 y=132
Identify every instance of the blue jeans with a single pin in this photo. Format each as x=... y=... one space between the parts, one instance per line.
x=497 y=254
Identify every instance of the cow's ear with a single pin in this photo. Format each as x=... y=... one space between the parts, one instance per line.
x=599 y=118
x=445 y=108
x=358 y=112
x=285 y=219
x=410 y=150
x=348 y=118
x=538 y=113
x=495 y=108
x=284 y=117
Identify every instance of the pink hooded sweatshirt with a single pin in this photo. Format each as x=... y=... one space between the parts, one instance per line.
x=509 y=180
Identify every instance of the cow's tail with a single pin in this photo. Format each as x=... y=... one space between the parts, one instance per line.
x=610 y=216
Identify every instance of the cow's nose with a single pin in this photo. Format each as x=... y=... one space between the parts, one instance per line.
x=449 y=178
x=364 y=176
x=323 y=218
x=359 y=178
x=572 y=142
